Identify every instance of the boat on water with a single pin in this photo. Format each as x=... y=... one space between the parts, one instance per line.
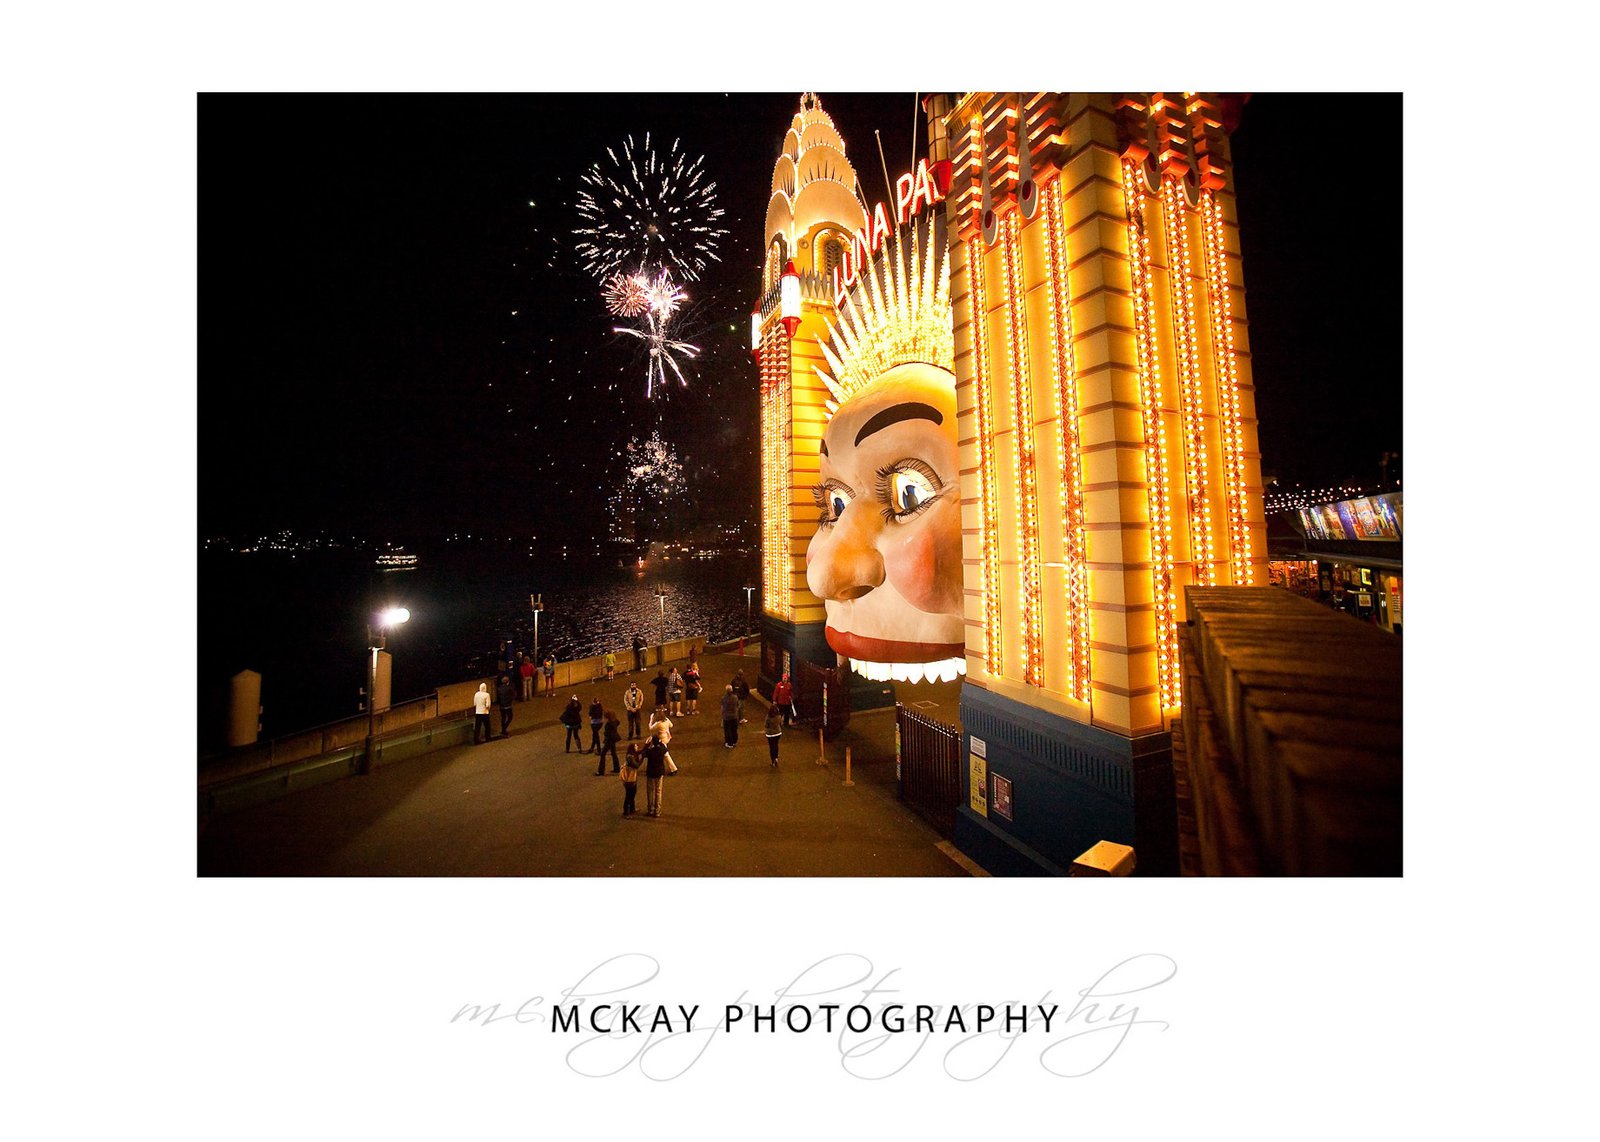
x=396 y=561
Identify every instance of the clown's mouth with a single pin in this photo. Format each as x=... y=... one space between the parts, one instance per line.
x=883 y=659
x=945 y=670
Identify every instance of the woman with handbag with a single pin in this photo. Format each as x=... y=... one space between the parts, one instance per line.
x=630 y=778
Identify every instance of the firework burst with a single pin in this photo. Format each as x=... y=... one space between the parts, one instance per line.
x=660 y=350
x=642 y=210
x=627 y=295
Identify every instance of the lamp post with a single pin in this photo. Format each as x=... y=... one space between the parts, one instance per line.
x=661 y=597
x=537 y=602
x=749 y=615
x=377 y=639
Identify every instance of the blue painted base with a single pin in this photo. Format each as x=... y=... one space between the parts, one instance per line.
x=1071 y=784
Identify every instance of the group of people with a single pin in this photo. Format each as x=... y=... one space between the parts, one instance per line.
x=677 y=695
x=521 y=673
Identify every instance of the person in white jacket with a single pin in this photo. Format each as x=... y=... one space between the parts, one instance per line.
x=481 y=701
x=661 y=725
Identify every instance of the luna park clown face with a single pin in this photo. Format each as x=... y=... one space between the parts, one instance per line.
x=886 y=558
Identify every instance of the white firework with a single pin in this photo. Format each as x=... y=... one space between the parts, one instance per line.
x=652 y=463
x=660 y=349
x=647 y=210
x=664 y=296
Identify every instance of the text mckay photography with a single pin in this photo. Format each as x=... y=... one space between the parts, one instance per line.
x=620 y=1018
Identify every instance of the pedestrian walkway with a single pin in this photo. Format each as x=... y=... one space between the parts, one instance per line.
x=520 y=806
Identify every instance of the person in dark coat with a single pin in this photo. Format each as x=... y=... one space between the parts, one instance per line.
x=612 y=735
x=730 y=717
x=691 y=688
x=774 y=731
x=504 y=695
x=597 y=717
x=638 y=653
x=741 y=691
x=572 y=718
x=660 y=683
x=655 y=772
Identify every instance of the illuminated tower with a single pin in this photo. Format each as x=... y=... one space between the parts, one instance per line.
x=1109 y=453
x=813 y=211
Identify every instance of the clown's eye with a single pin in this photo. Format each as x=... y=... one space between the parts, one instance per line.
x=909 y=490
x=906 y=488
x=831 y=499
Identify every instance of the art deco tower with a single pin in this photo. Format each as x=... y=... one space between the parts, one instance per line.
x=813 y=211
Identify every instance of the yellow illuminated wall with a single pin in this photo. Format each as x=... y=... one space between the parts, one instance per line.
x=1106 y=411
x=813 y=204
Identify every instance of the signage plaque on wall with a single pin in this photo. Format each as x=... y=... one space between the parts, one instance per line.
x=978 y=777
x=1002 y=795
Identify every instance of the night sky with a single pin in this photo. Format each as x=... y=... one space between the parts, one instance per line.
x=394 y=342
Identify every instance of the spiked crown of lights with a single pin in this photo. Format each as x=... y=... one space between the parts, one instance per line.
x=898 y=315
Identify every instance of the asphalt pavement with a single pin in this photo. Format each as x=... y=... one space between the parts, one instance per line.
x=521 y=806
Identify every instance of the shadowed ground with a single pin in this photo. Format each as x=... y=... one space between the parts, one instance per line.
x=519 y=806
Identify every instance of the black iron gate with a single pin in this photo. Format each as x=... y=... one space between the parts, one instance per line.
x=927 y=762
x=822 y=698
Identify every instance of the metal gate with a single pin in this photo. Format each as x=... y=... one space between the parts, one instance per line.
x=927 y=763
x=822 y=698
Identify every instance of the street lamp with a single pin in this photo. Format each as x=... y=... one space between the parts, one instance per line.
x=749 y=613
x=538 y=605
x=377 y=639
x=661 y=597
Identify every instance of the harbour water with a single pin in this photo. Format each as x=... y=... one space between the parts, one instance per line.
x=300 y=618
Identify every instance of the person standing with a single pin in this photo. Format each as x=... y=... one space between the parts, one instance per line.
x=660 y=683
x=638 y=654
x=661 y=725
x=611 y=665
x=572 y=718
x=783 y=698
x=691 y=687
x=656 y=759
x=480 y=713
x=597 y=716
x=549 y=675
x=774 y=731
x=741 y=691
x=503 y=696
x=675 y=692
x=633 y=702
x=612 y=734
x=527 y=670
x=630 y=778
x=730 y=717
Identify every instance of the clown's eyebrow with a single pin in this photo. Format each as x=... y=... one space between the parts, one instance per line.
x=911 y=410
